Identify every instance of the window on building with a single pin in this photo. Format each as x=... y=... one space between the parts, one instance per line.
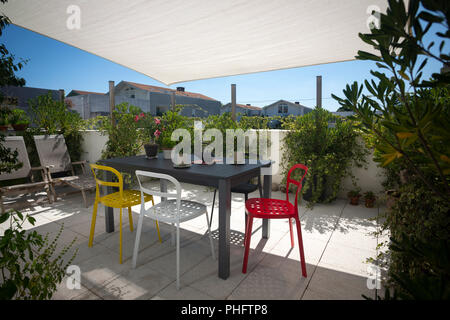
x=130 y=93
x=282 y=108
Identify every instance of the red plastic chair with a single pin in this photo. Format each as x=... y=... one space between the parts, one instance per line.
x=276 y=209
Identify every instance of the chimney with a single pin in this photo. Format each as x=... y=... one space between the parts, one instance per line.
x=181 y=89
x=296 y=102
x=248 y=104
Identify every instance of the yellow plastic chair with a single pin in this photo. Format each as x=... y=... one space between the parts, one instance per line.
x=121 y=199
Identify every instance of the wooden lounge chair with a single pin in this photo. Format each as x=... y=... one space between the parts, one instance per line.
x=17 y=143
x=53 y=154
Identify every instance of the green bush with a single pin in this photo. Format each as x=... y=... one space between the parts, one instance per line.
x=172 y=120
x=418 y=215
x=329 y=146
x=124 y=137
x=434 y=133
x=409 y=117
x=19 y=116
x=261 y=122
x=5 y=115
x=254 y=122
x=54 y=117
x=94 y=123
x=48 y=114
x=222 y=123
x=30 y=266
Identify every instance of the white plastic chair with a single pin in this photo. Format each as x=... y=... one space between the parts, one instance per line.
x=169 y=211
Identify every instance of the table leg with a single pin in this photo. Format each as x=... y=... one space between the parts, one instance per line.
x=267 y=194
x=109 y=212
x=224 y=228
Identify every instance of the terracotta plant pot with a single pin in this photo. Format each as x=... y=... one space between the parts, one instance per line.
x=3 y=127
x=369 y=203
x=20 y=127
x=151 y=150
x=354 y=201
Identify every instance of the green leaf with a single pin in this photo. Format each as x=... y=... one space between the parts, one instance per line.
x=20 y=215
x=31 y=220
x=362 y=55
x=4 y=217
x=404 y=75
x=389 y=157
x=8 y=290
x=444 y=158
x=404 y=135
x=427 y=16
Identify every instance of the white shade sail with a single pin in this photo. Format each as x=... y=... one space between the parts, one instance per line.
x=180 y=40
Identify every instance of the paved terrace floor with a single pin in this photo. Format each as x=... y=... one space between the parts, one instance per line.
x=337 y=240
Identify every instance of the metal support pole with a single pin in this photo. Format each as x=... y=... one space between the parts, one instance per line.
x=112 y=102
x=173 y=100
x=233 y=102
x=319 y=91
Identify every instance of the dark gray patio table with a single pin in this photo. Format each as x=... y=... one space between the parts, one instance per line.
x=220 y=176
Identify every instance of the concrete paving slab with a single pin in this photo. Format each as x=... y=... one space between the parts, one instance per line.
x=64 y=293
x=336 y=239
x=99 y=269
x=133 y=284
x=204 y=276
x=272 y=282
x=346 y=259
x=337 y=285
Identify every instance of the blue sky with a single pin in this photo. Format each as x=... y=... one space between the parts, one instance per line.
x=54 y=65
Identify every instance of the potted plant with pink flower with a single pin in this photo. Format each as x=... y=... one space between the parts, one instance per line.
x=151 y=130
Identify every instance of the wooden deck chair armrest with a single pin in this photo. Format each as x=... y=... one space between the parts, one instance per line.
x=43 y=171
x=37 y=168
x=82 y=163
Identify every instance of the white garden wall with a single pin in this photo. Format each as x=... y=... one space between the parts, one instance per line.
x=92 y=145
x=369 y=179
